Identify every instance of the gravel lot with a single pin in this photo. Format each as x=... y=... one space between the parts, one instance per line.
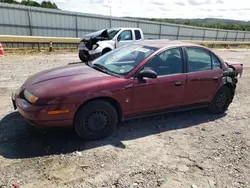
x=175 y=150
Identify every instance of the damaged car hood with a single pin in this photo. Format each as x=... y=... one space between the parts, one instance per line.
x=101 y=34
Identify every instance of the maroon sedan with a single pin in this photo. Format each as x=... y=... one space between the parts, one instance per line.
x=139 y=79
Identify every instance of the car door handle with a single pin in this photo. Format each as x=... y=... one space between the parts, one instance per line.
x=177 y=83
x=216 y=78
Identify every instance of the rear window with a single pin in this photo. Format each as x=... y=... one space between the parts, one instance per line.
x=137 y=35
x=216 y=63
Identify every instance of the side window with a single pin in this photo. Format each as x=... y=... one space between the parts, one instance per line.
x=137 y=35
x=216 y=63
x=125 y=35
x=167 y=63
x=198 y=60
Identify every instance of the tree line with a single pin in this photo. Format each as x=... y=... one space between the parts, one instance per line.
x=43 y=4
x=227 y=26
x=209 y=23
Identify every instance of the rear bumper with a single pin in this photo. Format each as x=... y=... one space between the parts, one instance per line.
x=38 y=115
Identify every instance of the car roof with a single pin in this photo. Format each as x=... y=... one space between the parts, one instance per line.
x=125 y=28
x=162 y=43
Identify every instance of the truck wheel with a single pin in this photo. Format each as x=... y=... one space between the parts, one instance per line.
x=221 y=100
x=95 y=120
x=83 y=57
x=104 y=51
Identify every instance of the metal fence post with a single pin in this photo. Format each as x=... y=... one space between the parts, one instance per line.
x=110 y=22
x=178 y=32
x=244 y=36
x=50 y=46
x=204 y=34
x=216 y=38
x=76 y=25
x=160 y=31
x=192 y=34
x=226 y=36
x=29 y=19
x=236 y=37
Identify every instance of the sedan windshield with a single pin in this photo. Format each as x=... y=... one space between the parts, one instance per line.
x=124 y=59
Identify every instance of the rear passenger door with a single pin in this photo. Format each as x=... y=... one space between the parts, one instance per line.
x=204 y=74
x=138 y=35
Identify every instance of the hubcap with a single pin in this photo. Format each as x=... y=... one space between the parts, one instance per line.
x=96 y=122
x=221 y=100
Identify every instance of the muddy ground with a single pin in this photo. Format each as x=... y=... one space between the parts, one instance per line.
x=169 y=151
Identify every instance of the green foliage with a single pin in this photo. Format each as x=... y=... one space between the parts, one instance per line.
x=44 y=4
x=9 y=1
x=210 y=23
x=48 y=4
x=30 y=3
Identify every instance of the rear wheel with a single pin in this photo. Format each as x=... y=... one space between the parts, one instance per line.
x=221 y=100
x=95 y=120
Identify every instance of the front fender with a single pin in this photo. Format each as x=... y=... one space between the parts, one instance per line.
x=92 y=95
x=106 y=44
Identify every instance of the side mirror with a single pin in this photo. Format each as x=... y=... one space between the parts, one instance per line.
x=149 y=73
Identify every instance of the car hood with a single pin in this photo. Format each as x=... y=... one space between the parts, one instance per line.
x=98 y=34
x=64 y=71
x=65 y=80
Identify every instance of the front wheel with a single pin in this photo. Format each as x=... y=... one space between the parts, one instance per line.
x=221 y=100
x=84 y=56
x=95 y=120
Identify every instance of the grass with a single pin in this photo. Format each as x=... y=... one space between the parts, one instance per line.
x=29 y=50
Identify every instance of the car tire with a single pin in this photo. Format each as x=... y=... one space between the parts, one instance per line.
x=221 y=100
x=106 y=50
x=95 y=120
x=83 y=57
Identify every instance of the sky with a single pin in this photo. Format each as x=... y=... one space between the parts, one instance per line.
x=226 y=9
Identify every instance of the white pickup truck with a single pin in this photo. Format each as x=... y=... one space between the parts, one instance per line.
x=100 y=42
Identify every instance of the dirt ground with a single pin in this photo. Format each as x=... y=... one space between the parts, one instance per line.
x=168 y=151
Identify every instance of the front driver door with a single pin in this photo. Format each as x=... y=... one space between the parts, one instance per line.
x=125 y=37
x=168 y=89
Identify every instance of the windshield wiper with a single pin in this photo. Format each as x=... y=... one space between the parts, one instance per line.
x=101 y=67
x=88 y=63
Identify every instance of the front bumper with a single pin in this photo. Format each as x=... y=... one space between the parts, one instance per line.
x=38 y=115
x=86 y=56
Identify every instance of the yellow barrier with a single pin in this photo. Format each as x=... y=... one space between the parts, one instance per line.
x=69 y=40
x=38 y=39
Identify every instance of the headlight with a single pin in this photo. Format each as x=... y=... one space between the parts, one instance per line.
x=95 y=46
x=81 y=44
x=19 y=90
x=31 y=98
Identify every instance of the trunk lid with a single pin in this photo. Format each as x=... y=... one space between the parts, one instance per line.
x=238 y=67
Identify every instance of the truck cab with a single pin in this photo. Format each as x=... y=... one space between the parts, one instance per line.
x=100 y=42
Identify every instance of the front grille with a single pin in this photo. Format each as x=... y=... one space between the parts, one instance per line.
x=87 y=44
